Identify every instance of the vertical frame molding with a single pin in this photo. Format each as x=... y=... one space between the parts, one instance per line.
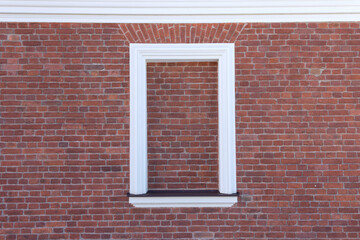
x=140 y=55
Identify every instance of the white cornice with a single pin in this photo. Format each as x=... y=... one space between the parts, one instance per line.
x=171 y=11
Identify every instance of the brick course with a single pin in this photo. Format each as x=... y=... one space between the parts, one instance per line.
x=64 y=132
x=182 y=125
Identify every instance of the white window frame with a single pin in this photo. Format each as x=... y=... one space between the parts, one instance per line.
x=140 y=55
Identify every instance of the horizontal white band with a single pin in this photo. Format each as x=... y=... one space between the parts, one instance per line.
x=161 y=202
x=171 y=11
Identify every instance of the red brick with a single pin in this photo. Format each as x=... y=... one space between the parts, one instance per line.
x=163 y=97
x=64 y=131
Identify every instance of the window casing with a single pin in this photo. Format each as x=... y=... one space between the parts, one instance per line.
x=140 y=55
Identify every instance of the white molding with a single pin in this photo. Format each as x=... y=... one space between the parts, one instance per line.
x=161 y=202
x=226 y=102
x=173 y=11
x=140 y=54
x=138 y=124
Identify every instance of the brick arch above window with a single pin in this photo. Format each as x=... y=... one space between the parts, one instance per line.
x=183 y=33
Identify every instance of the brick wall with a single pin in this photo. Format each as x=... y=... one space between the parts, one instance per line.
x=64 y=132
x=182 y=125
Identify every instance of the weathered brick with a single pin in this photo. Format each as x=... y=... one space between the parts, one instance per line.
x=64 y=131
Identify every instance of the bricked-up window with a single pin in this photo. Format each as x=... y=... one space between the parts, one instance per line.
x=182 y=125
x=143 y=56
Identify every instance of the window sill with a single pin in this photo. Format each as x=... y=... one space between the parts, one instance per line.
x=180 y=198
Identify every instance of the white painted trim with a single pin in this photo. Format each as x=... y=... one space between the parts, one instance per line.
x=162 y=202
x=226 y=102
x=142 y=53
x=138 y=124
x=174 y=11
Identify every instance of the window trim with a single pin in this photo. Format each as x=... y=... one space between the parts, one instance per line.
x=140 y=54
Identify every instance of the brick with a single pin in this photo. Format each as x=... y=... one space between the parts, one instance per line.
x=64 y=131
x=41 y=230
x=166 y=102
